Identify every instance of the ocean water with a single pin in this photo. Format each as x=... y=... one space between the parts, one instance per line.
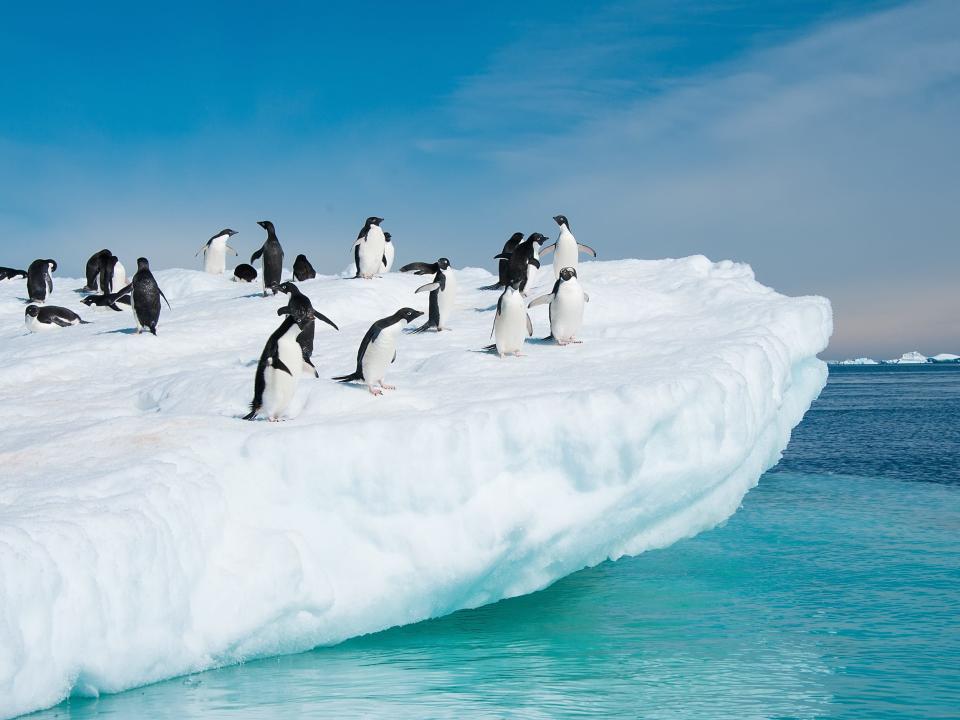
x=833 y=593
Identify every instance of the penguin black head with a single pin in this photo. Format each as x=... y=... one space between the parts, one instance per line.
x=443 y=263
x=567 y=274
x=53 y=265
x=537 y=238
x=387 y=236
x=561 y=220
x=89 y=300
x=289 y=288
x=32 y=310
x=143 y=264
x=226 y=231
x=408 y=314
x=374 y=220
x=266 y=225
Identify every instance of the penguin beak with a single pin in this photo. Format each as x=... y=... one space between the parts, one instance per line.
x=556 y=219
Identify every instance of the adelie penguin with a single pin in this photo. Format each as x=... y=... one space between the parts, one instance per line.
x=38 y=319
x=94 y=265
x=443 y=292
x=511 y=325
x=301 y=309
x=566 y=307
x=368 y=250
x=215 y=252
x=146 y=294
x=389 y=252
x=524 y=261
x=504 y=269
x=302 y=269
x=110 y=300
x=113 y=275
x=272 y=254
x=39 y=280
x=567 y=248
x=244 y=273
x=278 y=370
x=10 y=273
x=378 y=350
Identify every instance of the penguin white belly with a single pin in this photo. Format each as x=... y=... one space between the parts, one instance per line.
x=371 y=253
x=510 y=327
x=215 y=257
x=388 y=252
x=280 y=386
x=566 y=311
x=34 y=325
x=567 y=253
x=447 y=300
x=119 y=277
x=379 y=354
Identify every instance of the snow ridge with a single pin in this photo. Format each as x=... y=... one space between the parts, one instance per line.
x=146 y=532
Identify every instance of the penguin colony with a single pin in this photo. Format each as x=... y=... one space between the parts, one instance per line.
x=289 y=349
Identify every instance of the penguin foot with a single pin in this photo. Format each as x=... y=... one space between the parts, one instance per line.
x=374 y=391
x=518 y=354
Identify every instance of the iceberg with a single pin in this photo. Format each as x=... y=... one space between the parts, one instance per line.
x=147 y=532
x=944 y=358
x=857 y=361
x=909 y=358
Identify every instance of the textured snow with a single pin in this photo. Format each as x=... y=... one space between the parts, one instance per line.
x=146 y=531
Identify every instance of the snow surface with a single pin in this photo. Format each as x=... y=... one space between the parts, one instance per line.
x=146 y=531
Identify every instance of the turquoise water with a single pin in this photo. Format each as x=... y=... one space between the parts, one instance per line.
x=834 y=592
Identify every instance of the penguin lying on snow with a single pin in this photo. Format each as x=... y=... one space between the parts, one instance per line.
x=443 y=292
x=368 y=250
x=39 y=280
x=93 y=269
x=511 y=325
x=378 y=350
x=301 y=309
x=9 y=273
x=566 y=307
x=109 y=300
x=244 y=273
x=272 y=253
x=302 y=269
x=504 y=269
x=567 y=248
x=275 y=382
x=215 y=252
x=38 y=319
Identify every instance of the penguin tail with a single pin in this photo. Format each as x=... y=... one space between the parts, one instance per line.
x=349 y=378
x=253 y=412
x=423 y=328
x=86 y=322
x=548 y=337
x=490 y=347
x=495 y=286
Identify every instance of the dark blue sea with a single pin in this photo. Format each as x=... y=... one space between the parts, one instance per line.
x=833 y=593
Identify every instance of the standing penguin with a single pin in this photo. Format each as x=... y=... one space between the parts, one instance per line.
x=511 y=325
x=146 y=297
x=113 y=275
x=301 y=309
x=215 y=252
x=39 y=280
x=369 y=248
x=389 y=252
x=272 y=254
x=524 y=261
x=443 y=292
x=504 y=269
x=10 y=273
x=275 y=382
x=302 y=269
x=566 y=307
x=93 y=269
x=567 y=248
x=378 y=350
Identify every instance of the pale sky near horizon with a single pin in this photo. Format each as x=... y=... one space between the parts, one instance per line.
x=816 y=141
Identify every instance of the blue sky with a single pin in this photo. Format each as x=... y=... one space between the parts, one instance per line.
x=816 y=140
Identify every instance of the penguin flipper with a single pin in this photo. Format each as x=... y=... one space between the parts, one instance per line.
x=60 y=321
x=164 y=298
x=283 y=311
x=49 y=283
x=356 y=257
x=535 y=263
x=529 y=327
x=257 y=254
x=113 y=306
x=542 y=300
x=279 y=366
x=548 y=249
x=429 y=287
x=328 y=321
x=502 y=256
x=587 y=249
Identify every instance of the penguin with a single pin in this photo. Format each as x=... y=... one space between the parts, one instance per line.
x=93 y=269
x=443 y=292
x=302 y=269
x=368 y=250
x=389 y=251
x=511 y=325
x=113 y=275
x=39 y=282
x=275 y=382
x=567 y=248
x=378 y=350
x=9 y=273
x=272 y=254
x=109 y=300
x=38 y=319
x=244 y=273
x=566 y=307
x=119 y=276
x=146 y=297
x=525 y=261
x=504 y=270
x=215 y=252
x=301 y=309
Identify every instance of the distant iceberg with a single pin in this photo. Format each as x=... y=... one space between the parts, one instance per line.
x=944 y=358
x=147 y=532
x=909 y=358
x=857 y=361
